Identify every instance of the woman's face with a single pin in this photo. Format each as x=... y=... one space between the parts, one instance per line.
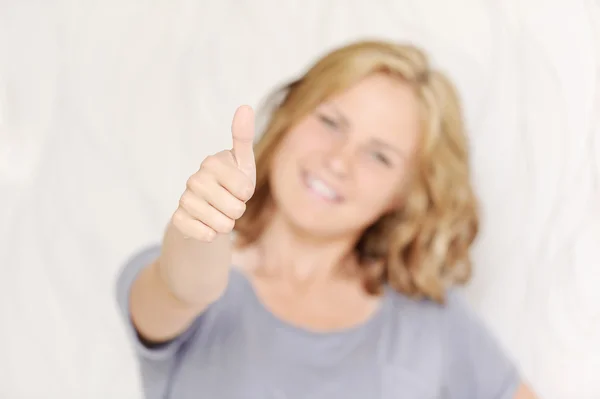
x=343 y=166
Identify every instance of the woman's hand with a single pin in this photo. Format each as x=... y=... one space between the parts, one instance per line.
x=216 y=194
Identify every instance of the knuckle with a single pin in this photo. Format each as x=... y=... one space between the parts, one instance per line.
x=209 y=161
x=192 y=182
x=248 y=194
x=197 y=183
x=246 y=190
x=239 y=209
x=207 y=235
x=184 y=200
x=203 y=234
x=225 y=225
x=179 y=217
x=250 y=191
x=187 y=199
x=181 y=222
x=213 y=163
x=225 y=156
x=192 y=228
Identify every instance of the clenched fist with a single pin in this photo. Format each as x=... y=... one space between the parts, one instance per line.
x=216 y=195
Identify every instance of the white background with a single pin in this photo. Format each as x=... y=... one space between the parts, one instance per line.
x=107 y=106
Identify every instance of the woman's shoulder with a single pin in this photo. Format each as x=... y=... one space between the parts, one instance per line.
x=450 y=328
x=453 y=338
x=453 y=308
x=454 y=323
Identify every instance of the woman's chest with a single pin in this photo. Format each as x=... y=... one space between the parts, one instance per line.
x=276 y=367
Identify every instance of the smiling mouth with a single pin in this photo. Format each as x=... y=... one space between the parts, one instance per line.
x=321 y=189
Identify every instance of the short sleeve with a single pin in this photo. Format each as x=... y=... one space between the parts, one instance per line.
x=130 y=270
x=476 y=365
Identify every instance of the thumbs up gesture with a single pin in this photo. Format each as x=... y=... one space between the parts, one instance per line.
x=215 y=196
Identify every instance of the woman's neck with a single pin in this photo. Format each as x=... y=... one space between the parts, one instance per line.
x=303 y=258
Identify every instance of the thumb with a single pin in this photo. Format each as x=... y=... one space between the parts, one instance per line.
x=242 y=129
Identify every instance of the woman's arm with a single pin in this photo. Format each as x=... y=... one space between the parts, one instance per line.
x=170 y=293
x=193 y=267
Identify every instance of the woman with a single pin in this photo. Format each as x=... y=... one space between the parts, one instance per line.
x=352 y=219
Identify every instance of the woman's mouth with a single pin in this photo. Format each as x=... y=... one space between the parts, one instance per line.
x=321 y=189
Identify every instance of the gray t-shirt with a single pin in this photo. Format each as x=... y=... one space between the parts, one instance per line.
x=237 y=349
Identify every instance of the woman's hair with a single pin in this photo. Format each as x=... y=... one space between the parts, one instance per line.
x=425 y=245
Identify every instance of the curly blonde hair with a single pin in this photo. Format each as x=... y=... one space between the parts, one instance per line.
x=423 y=248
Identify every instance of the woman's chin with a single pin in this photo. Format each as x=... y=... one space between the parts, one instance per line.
x=319 y=225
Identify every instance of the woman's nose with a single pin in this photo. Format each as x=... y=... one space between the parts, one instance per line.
x=339 y=159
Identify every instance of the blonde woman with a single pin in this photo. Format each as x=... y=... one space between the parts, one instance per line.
x=320 y=262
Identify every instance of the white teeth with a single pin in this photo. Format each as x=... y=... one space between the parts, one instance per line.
x=322 y=189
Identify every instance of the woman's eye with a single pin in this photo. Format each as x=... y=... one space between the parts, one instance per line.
x=328 y=121
x=378 y=156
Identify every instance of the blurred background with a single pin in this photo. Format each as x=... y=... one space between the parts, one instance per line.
x=106 y=107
